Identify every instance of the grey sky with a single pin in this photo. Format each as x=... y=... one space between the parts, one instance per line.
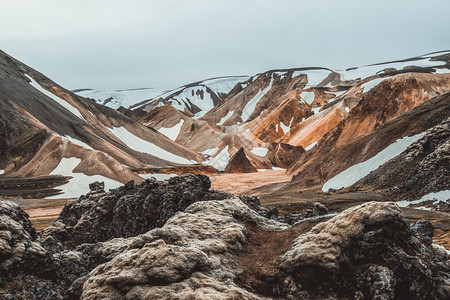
x=110 y=44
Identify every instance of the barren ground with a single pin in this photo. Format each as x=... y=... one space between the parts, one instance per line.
x=274 y=190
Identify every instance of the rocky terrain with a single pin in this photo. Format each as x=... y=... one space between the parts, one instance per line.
x=423 y=168
x=351 y=168
x=185 y=241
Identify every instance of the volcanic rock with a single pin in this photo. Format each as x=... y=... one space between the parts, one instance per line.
x=176 y=239
x=367 y=251
x=18 y=248
x=99 y=215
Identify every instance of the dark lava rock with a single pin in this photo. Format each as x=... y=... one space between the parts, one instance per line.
x=177 y=239
x=316 y=209
x=369 y=250
x=425 y=229
x=27 y=270
x=129 y=210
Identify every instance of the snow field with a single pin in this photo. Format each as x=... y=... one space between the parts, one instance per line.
x=227 y=116
x=59 y=100
x=251 y=105
x=220 y=161
x=354 y=173
x=79 y=184
x=144 y=146
x=259 y=151
x=172 y=132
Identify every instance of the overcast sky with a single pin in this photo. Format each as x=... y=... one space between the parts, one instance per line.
x=111 y=44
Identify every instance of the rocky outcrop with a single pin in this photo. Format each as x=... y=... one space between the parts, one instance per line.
x=27 y=270
x=375 y=241
x=191 y=256
x=283 y=155
x=99 y=215
x=421 y=169
x=177 y=239
x=368 y=251
x=18 y=249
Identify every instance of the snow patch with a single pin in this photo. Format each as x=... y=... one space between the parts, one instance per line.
x=347 y=109
x=251 y=105
x=372 y=83
x=437 y=196
x=314 y=77
x=224 y=85
x=220 y=161
x=78 y=142
x=285 y=128
x=210 y=152
x=255 y=77
x=59 y=100
x=227 y=116
x=308 y=97
x=260 y=151
x=172 y=132
x=138 y=144
x=358 y=171
x=124 y=98
x=309 y=147
x=278 y=169
x=2 y=172
x=79 y=184
x=367 y=71
x=442 y=71
x=316 y=110
x=197 y=95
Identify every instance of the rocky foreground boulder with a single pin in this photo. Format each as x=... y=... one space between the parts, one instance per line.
x=179 y=240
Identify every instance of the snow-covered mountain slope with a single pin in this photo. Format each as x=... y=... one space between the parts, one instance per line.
x=330 y=157
x=194 y=99
x=421 y=171
x=124 y=98
x=46 y=128
x=298 y=107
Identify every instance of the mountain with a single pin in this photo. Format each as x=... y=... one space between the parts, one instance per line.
x=47 y=130
x=119 y=98
x=344 y=138
x=315 y=122
x=194 y=99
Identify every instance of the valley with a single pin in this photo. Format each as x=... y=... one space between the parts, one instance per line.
x=316 y=170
